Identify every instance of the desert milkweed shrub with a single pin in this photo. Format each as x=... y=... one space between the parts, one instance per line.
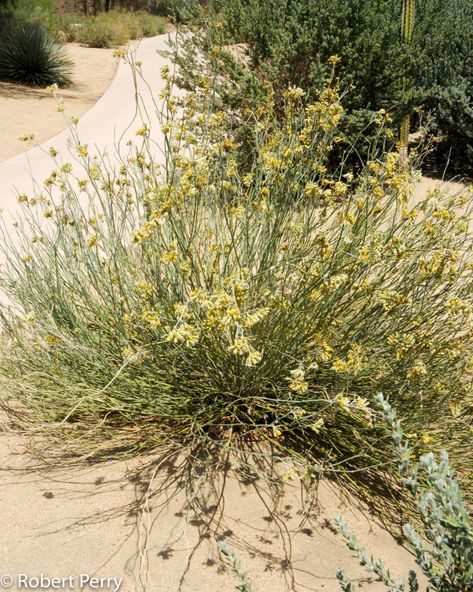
x=443 y=541
x=196 y=303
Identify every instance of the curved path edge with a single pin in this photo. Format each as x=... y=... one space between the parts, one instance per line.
x=114 y=117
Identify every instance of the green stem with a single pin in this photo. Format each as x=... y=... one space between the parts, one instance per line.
x=407 y=30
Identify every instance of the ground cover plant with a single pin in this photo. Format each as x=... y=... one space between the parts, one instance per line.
x=30 y=55
x=206 y=303
x=289 y=41
x=443 y=542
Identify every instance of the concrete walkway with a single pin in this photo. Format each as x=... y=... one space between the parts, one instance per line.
x=114 y=118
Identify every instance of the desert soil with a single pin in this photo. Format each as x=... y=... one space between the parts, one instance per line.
x=126 y=520
x=26 y=110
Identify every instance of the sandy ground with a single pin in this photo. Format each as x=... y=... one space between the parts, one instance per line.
x=29 y=110
x=65 y=523
x=428 y=184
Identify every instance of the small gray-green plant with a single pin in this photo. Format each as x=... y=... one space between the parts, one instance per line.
x=444 y=545
x=244 y=583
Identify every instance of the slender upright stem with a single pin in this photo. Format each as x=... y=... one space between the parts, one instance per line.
x=407 y=30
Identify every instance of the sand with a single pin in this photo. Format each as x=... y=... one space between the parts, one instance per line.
x=64 y=523
x=25 y=110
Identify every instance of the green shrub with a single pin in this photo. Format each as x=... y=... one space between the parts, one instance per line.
x=28 y=55
x=150 y=25
x=25 y=11
x=130 y=22
x=289 y=42
x=66 y=26
x=213 y=304
x=34 y=10
x=181 y=11
x=141 y=24
x=447 y=77
x=102 y=31
x=444 y=550
x=109 y=29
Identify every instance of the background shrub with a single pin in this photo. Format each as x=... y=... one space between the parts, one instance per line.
x=102 y=31
x=446 y=76
x=181 y=11
x=109 y=29
x=36 y=10
x=29 y=55
x=289 y=42
x=150 y=25
x=66 y=26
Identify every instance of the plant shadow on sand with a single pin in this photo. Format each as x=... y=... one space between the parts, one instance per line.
x=156 y=521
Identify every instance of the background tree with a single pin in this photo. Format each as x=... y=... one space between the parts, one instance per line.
x=7 y=4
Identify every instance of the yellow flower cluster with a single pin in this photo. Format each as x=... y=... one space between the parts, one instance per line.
x=353 y=362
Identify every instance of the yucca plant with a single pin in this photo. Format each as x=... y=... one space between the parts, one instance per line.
x=29 y=55
x=202 y=303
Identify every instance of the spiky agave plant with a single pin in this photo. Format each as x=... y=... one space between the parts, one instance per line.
x=29 y=55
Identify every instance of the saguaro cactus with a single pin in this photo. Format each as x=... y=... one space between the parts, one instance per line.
x=407 y=29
